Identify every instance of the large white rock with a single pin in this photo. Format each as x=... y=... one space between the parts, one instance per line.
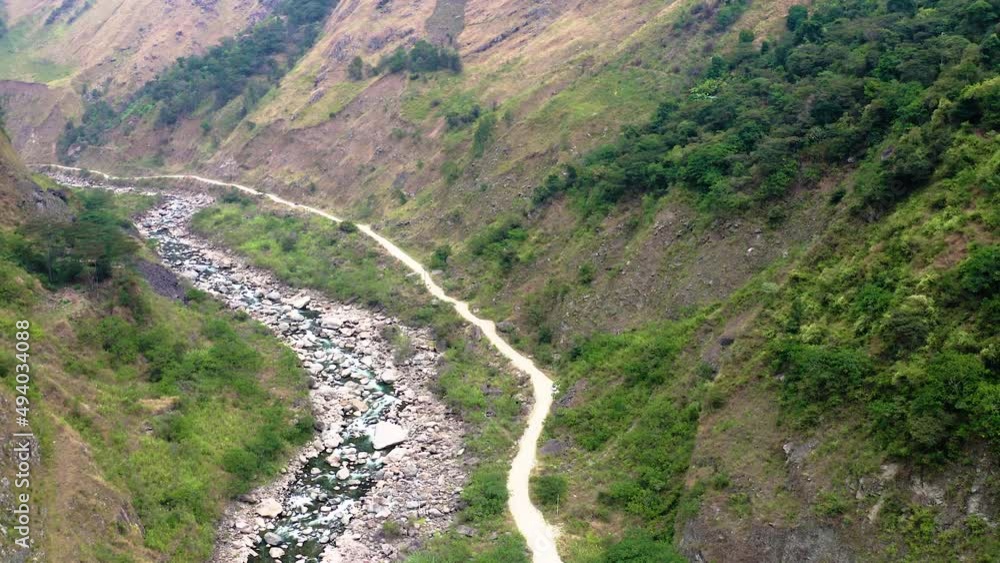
x=331 y=440
x=388 y=434
x=269 y=508
x=300 y=302
x=331 y=321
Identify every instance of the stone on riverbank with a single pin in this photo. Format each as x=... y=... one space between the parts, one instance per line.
x=269 y=508
x=388 y=434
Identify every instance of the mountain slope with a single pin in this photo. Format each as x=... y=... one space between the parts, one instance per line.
x=20 y=197
x=57 y=53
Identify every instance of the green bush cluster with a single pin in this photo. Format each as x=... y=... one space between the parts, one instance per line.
x=923 y=368
x=499 y=244
x=484 y=134
x=641 y=547
x=549 y=490
x=485 y=495
x=829 y=91
x=86 y=249
x=422 y=57
x=642 y=429
x=459 y=119
x=452 y=548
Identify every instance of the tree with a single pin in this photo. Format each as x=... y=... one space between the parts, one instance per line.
x=356 y=69
x=439 y=260
x=796 y=15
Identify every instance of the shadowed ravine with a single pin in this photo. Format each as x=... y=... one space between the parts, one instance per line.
x=530 y=522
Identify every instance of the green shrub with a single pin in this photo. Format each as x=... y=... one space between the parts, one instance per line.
x=549 y=490
x=241 y=463
x=483 y=134
x=830 y=504
x=819 y=375
x=422 y=57
x=980 y=272
x=640 y=547
x=356 y=69
x=906 y=328
x=485 y=495
x=439 y=259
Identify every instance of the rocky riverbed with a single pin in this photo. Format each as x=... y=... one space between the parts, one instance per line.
x=386 y=449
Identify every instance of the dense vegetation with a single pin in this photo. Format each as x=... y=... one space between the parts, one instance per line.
x=181 y=406
x=916 y=348
x=244 y=67
x=887 y=85
x=421 y=57
x=625 y=393
x=888 y=323
x=87 y=249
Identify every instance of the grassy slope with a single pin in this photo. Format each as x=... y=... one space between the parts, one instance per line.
x=135 y=423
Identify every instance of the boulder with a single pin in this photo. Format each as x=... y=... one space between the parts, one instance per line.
x=272 y=538
x=388 y=434
x=330 y=321
x=269 y=508
x=389 y=376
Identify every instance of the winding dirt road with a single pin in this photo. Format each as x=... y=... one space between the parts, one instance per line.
x=530 y=522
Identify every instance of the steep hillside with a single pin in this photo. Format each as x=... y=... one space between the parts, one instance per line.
x=20 y=197
x=135 y=399
x=57 y=53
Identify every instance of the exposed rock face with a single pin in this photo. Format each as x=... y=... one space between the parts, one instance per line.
x=336 y=493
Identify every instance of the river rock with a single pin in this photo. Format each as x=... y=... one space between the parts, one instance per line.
x=276 y=552
x=344 y=474
x=389 y=376
x=388 y=434
x=269 y=508
x=332 y=440
x=300 y=302
x=330 y=321
x=272 y=538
